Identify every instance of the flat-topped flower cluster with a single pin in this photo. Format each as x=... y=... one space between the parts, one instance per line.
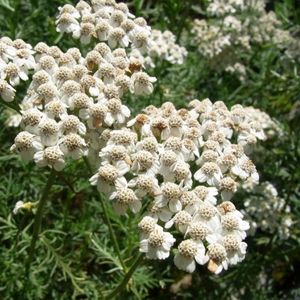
x=232 y=28
x=266 y=210
x=111 y=22
x=71 y=98
x=163 y=46
x=184 y=166
x=16 y=60
x=104 y=21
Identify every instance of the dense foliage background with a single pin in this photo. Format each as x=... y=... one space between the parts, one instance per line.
x=74 y=256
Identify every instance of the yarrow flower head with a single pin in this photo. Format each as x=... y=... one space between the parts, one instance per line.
x=230 y=26
x=268 y=212
x=73 y=99
x=149 y=159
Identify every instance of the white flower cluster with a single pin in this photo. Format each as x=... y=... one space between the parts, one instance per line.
x=292 y=52
x=163 y=45
x=72 y=99
x=238 y=69
x=266 y=210
x=184 y=166
x=105 y=21
x=233 y=27
x=16 y=60
x=271 y=127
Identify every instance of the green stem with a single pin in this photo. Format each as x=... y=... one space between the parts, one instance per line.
x=111 y=232
x=107 y=221
x=11 y=105
x=38 y=220
x=126 y=278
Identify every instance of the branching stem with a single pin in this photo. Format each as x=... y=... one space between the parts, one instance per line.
x=126 y=278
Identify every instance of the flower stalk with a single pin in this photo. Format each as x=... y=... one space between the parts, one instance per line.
x=11 y=105
x=126 y=278
x=107 y=221
x=38 y=220
x=111 y=232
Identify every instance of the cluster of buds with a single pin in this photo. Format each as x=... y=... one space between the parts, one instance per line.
x=234 y=27
x=267 y=211
x=184 y=167
x=104 y=21
x=16 y=60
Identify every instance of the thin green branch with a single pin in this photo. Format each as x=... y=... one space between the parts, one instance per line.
x=38 y=220
x=111 y=231
x=11 y=105
x=126 y=278
x=107 y=222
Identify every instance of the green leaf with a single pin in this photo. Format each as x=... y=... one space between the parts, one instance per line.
x=6 y=5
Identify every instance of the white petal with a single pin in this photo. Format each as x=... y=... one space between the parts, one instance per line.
x=136 y=206
x=59 y=165
x=199 y=176
x=175 y=206
x=144 y=246
x=185 y=264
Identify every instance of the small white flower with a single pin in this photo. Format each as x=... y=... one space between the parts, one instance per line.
x=67 y=23
x=145 y=162
x=206 y=194
x=24 y=59
x=190 y=252
x=56 y=109
x=72 y=145
x=27 y=145
x=13 y=73
x=233 y=224
x=145 y=185
x=51 y=156
x=181 y=220
x=171 y=194
x=123 y=199
x=159 y=213
x=207 y=214
x=8 y=52
x=117 y=112
x=235 y=248
x=210 y=173
x=108 y=179
x=71 y=124
x=140 y=39
x=245 y=169
x=117 y=37
x=218 y=258
x=48 y=131
x=158 y=244
x=141 y=83
x=7 y=92
x=146 y=226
